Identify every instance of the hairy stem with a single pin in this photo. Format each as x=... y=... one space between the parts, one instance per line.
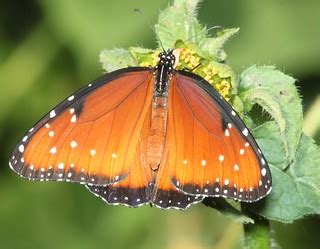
x=257 y=235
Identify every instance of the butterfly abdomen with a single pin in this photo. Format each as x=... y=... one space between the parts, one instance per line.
x=157 y=133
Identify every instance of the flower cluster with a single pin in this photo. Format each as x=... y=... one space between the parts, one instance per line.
x=188 y=58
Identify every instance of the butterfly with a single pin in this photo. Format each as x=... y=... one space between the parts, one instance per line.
x=143 y=135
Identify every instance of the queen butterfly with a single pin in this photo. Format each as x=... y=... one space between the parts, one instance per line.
x=146 y=135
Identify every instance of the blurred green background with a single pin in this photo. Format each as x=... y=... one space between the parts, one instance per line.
x=50 y=48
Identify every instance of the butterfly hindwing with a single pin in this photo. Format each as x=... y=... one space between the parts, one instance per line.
x=134 y=190
x=165 y=194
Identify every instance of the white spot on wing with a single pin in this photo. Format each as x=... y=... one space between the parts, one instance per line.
x=53 y=150
x=52 y=114
x=236 y=167
x=73 y=144
x=203 y=162
x=226 y=133
x=263 y=172
x=71 y=98
x=226 y=181
x=245 y=132
x=233 y=113
x=60 y=166
x=221 y=158
x=114 y=155
x=21 y=148
x=241 y=151
x=25 y=138
x=93 y=152
x=74 y=118
x=51 y=133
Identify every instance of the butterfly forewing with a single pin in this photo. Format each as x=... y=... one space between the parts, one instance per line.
x=211 y=152
x=92 y=137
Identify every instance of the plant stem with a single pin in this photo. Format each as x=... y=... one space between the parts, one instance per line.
x=257 y=235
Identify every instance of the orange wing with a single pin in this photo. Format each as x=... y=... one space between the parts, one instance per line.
x=134 y=190
x=93 y=137
x=210 y=152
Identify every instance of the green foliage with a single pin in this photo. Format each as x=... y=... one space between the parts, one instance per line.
x=214 y=46
x=296 y=190
x=114 y=59
x=179 y=22
x=276 y=93
x=229 y=208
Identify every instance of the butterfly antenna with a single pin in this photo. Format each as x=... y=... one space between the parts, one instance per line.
x=150 y=25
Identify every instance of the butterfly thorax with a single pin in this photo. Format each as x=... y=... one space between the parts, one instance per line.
x=163 y=73
x=156 y=140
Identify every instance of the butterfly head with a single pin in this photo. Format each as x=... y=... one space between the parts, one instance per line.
x=167 y=59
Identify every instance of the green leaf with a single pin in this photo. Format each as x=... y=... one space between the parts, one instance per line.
x=229 y=208
x=179 y=22
x=144 y=57
x=296 y=190
x=214 y=45
x=276 y=93
x=113 y=59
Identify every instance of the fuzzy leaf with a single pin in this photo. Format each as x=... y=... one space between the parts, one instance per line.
x=229 y=208
x=144 y=57
x=214 y=45
x=276 y=93
x=179 y=22
x=113 y=59
x=296 y=190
